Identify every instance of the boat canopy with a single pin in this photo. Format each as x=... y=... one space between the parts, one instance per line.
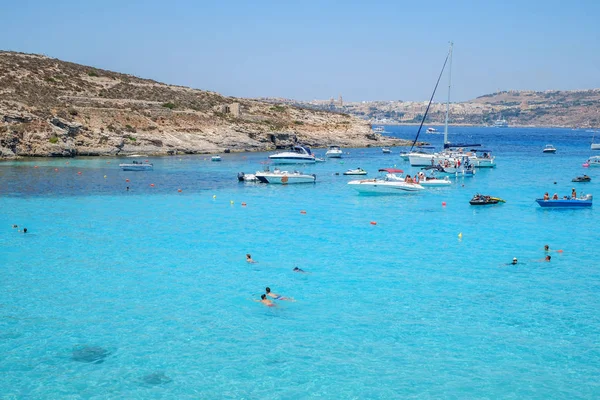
x=301 y=149
x=391 y=170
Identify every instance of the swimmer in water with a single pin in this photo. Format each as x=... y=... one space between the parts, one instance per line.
x=266 y=302
x=15 y=226
x=514 y=261
x=250 y=260
x=277 y=296
x=547 y=259
x=546 y=248
x=296 y=269
x=24 y=230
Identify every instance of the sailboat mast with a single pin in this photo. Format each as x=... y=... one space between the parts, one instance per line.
x=448 y=101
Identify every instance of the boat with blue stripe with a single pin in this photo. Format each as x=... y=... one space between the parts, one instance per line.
x=585 y=201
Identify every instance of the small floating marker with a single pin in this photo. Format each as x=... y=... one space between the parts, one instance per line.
x=231 y=202
x=214 y=196
x=373 y=223
x=243 y=204
x=179 y=190
x=104 y=176
x=460 y=235
x=145 y=160
x=443 y=204
x=152 y=185
x=56 y=169
x=585 y=165
x=559 y=251
x=35 y=166
x=302 y=211
x=79 y=173
x=126 y=180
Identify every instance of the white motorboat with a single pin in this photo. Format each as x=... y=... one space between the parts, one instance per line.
x=136 y=166
x=296 y=155
x=334 y=152
x=432 y=181
x=594 y=146
x=592 y=162
x=357 y=171
x=391 y=183
x=386 y=150
x=379 y=129
x=242 y=177
x=432 y=130
x=215 y=158
x=284 y=177
x=549 y=149
x=501 y=123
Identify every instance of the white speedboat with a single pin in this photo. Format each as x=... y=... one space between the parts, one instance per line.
x=215 y=158
x=594 y=146
x=242 y=177
x=136 y=166
x=386 y=150
x=391 y=183
x=432 y=181
x=296 y=155
x=284 y=177
x=357 y=171
x=549 y=149
x=592 y=162
x=334 y=152
x=501 y=123
x=432 y=130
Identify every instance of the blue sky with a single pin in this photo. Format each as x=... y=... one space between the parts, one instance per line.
x=363 y=50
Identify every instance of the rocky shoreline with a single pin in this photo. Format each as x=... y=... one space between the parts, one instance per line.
x=52 y=108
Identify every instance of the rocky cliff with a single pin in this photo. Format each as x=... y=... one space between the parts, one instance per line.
x=50 y=107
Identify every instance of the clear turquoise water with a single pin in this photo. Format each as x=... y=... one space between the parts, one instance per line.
x=401 y=309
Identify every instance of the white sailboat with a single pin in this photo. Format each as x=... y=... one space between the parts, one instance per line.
x=595 y=146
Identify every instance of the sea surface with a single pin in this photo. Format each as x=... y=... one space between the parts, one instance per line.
x=146 y=294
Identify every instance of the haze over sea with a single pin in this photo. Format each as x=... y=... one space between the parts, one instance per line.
x=154 y=282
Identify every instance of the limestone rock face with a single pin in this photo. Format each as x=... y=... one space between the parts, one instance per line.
x=54 y=108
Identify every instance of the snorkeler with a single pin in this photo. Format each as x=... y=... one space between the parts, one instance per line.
x=250 y=260
x=277 y=296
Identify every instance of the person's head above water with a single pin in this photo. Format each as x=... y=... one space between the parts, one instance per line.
x=268 y=289
x=514 y=261
x=546 y=247
x=548 y=258
x=263 y=296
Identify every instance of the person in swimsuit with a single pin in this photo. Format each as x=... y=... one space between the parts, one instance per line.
x=266 y=302
x=573 y=194
x=277 y=296
x=250 y=260
x=296 y=269
x=514 y=261
x=546 y=196
x=547 y=258
x=555 y=197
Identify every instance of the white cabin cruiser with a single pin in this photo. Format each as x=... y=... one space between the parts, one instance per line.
x=284 y=177
x=334 y=152
x=549 y=149
x=390 y=184
x=432 y=181
x=136 y=166
x=296 y=155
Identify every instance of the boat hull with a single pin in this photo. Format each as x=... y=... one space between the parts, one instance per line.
x=565 y=203
x=142 y=167
x=285 y=179
x=373 y=186
x=291 y=160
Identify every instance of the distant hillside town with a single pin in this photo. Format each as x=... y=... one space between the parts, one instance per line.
x=573 y=109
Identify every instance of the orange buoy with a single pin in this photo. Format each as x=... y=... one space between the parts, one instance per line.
x=179 y=190
x=126 y=180
x=373 y=223
x=443 y=204
x=35 y=166
x=56 y=169
x=152 y=185
x=302 y=212
x=559 y=251
x=79 y=173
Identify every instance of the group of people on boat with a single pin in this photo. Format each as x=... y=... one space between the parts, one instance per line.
x=555 y=196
